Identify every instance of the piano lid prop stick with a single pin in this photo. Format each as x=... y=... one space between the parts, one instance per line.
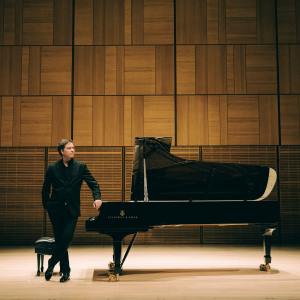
x=146 y=199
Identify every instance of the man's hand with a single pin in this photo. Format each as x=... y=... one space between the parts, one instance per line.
x=97 y=204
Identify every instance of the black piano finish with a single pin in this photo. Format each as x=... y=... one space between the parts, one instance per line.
x=119 y=219
x=169 y=190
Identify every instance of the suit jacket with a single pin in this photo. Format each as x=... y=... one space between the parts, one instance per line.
x=67 y=189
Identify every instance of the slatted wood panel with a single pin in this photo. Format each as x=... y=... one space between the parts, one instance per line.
x=43 y=22
x=222 y=69
x=21 y=209
x=119 y=22
x=34 y=121
x=258 y=155
x=288 y=17
x=289 y=192
x=166 y=235
x=227 y=120
x=225 y=22
x=105 y=164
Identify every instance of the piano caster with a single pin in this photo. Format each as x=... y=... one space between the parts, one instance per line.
x=111 y=265
x=113 y=277
x=266 y=267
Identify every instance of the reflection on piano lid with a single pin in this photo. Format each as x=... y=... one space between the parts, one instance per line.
x=158 y=175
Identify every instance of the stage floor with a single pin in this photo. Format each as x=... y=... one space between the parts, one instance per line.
x=157 y=272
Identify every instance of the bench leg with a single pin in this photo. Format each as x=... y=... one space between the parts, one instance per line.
x=38 y=265
x=42 y=263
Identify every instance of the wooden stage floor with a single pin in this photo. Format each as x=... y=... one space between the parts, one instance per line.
x=157 y=272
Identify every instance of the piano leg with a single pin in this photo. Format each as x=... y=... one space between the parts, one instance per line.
x=117 y=250
x=267 y=237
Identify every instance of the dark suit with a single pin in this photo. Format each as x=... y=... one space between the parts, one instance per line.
x=64 y=205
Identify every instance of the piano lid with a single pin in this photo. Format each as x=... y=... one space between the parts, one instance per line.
x=166 y=177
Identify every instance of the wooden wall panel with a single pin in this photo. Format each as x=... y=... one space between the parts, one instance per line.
x=289 y=69
x=288 y=16
x=17 y=122
x=127 y=25
x=109 y=21
x=25 y=70
x=83 y=120
x=239 y=68
x=38 y=22
x=202 y=120
x=158 y=22
x=99 y=120
x=99 y=70
x=225 y=22
x=290 y=119
x=220 y=69
x=108 y=120
x=10 y=70
x=164 y=70
x=192 y=120
x=261 y=71
x=185 y=61
x=61 y=118
x=289 y=157
x=137 y=117
x=56 y=70
x=83 y=22
x=268 y=120
x=36 y=121
x=44 y=22
x=21 y=210
x=34 y=71
x=241 y=21
x=103 y=22
x=139 y=70
x=243 y=120
x=191 y=22
x=137 y=22
x=7 y=111
x=62 y=22
x=159 y=116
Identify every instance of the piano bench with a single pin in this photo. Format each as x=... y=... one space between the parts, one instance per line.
x=43 y=246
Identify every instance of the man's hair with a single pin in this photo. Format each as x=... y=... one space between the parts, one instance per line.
x=61 y=145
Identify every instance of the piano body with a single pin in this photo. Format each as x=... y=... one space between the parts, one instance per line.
x=168 y=190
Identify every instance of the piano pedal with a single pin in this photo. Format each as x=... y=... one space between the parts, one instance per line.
x=113 y=277
x=266 y=267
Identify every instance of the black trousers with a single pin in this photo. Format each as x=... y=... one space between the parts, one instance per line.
x=64 y=225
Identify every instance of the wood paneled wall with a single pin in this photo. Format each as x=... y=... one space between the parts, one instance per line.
x=208 y=73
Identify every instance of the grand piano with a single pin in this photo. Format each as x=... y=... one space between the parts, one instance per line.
x=169 y=190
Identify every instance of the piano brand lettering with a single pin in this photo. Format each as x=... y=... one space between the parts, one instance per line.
x=122 y=216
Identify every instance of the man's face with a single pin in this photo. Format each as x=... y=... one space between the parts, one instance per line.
x=69 y=151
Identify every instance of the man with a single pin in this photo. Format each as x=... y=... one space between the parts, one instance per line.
x=66 y=177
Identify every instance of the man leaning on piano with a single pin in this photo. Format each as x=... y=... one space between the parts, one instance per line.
x=66 y=177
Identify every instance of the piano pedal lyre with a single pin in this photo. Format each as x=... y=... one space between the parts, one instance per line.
x=113 y=277
x=264 y=267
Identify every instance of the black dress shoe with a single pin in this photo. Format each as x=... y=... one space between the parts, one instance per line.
x=65 y=277
x=49 y=273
